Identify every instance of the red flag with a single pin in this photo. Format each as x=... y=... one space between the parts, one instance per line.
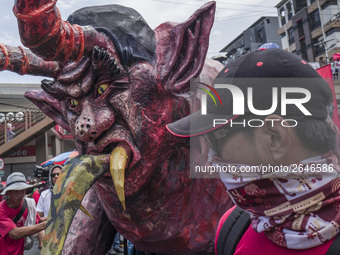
x=326 y=73
x=336 y=56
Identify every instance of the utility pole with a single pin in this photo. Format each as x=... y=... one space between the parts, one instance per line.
x=323 y=32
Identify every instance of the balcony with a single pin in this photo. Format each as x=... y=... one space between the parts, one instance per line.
x=27 y=128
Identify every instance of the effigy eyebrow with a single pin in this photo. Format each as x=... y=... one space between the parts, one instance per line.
x=73 y=71
x=75 y=80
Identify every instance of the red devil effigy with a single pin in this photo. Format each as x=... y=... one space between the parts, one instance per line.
x=116 y=84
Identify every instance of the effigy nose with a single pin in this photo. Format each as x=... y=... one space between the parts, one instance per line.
x=86 y=129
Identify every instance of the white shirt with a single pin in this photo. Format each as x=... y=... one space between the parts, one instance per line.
x=44 y=202
x=337 y=65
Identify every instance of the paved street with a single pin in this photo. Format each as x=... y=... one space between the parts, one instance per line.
x=36 y=251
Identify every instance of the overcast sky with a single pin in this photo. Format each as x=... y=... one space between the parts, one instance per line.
x=231 y=18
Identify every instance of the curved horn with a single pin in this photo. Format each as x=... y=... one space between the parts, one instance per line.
x=23 y=61
x=48 y=36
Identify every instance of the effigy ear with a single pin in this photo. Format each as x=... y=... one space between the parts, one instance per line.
x=182 y=48
x=49 y=105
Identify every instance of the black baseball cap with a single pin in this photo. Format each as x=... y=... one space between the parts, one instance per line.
x=262 y=71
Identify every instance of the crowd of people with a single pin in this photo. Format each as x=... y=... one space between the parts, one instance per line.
x=335 y=66
x=15 y=223
x=18 y=216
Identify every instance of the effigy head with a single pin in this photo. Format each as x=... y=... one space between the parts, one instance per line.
x=123 y=92
x=115 y=92
x=90 y=88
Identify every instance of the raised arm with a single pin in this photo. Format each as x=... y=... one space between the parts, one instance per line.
x=21 y=232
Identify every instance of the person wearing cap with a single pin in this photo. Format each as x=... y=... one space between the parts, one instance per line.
x=34 y=192
x=44 y=202
x=12 y=234
x=277 y=152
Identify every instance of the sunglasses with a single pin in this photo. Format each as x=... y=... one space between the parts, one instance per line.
x=55 y=175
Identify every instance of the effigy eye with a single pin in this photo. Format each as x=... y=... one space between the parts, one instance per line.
x=74 y=102
x=102 y=88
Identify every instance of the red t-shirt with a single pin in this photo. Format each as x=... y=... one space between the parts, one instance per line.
x=258 y=244
x=36 y=196
x=7 y=244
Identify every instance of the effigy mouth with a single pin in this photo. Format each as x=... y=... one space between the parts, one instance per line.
x=114 y=154
x=124 y=154
x=115 y=136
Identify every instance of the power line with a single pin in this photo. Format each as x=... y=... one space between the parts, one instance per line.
x=224 y=8
x=249 y=5
x=232 y=9
x=237 y=17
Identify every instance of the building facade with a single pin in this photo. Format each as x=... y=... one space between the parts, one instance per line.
x=262 y=31
x=310 y=28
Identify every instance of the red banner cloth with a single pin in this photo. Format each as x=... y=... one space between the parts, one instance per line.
x=336 y=56
x=326 y=73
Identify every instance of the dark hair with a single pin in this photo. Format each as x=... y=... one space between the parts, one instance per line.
x=316 y=135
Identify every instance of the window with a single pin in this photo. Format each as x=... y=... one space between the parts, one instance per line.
x=318 y=46
x=289 y=11
x=328 y=3
x=291 y=36
x=261 y=35
x=303 y=47
x=332 y=30
x=301 y=32
x=299 y=5
x=315 y=20
x=283 y=16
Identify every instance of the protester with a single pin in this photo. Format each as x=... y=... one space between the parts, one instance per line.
x=10 y=128
x=322 y=62
x=12 y=234
x=336 y=69
x=44 y=202
x=34 y=191
x=291 y=212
